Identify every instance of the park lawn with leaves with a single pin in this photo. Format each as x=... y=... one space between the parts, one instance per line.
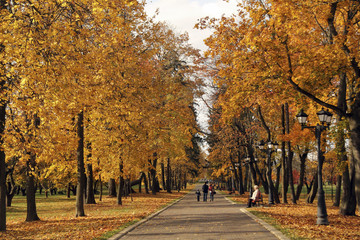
x=58 y=221
x=298 y=221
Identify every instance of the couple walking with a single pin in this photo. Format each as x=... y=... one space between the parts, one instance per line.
x=206 y=189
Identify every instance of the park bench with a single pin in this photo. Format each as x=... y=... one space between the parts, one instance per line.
x=259 y=201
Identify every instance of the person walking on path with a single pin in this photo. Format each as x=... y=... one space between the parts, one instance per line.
x=256 y=196
x=211 y=192
x=187 y=219
x=205 y=189
x=198 y=194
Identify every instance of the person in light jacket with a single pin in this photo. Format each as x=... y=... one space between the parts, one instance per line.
x=256 y=196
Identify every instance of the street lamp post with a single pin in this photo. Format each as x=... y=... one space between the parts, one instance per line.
x=237 y=166
x=269 y=148
x=324 y=117
x=232 y=180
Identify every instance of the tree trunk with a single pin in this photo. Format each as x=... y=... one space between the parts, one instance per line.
x=163 y=175
x=11 y=189
x=30 y=198
x=80 y=212
x=348 y=201
x=284 y=175
x=291 y=177
x=278 y=175
x=340 y=135
x=246 y=177
x=168 y=175
x=290 y=155
x=354 y=123
x=112 y=188
x=90 y=186
x=338 y=191
x=240 y=183
x=68 y=190
x=185 y=180
x=274 y=192
x=154 y=181
x=101 y=188
x=302 y=174
x=149 y=178
x=255 y=170
x=3 y=104
x=314 y=190
x=145 y=183
x=179 y=180
x=121 y=184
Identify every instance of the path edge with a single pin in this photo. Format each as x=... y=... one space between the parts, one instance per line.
x=270 y=228
x=133 y=226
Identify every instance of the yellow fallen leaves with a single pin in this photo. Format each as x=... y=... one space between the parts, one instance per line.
x=301 y=220
x=101 y=218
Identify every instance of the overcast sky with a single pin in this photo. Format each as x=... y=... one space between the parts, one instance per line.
x=184 y=14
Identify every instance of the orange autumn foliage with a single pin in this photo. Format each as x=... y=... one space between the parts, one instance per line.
x=300 y=220
x=102 y=217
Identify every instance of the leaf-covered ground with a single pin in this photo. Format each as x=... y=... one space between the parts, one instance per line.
x=300 y=220
x=58 y=219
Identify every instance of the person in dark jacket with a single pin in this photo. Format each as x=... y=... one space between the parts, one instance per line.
x=205 y=189
x=198 y=194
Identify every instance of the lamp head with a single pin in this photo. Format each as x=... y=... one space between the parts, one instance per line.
x=322 y=115
x=302 y=117
x=261 y=144
x=329 y=117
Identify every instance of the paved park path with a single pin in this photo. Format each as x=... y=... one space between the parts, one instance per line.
x=189 y=219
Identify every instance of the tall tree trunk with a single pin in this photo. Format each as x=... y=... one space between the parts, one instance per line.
x=2 y=180
x=351 y=192
x=179 y=180
x=101 y=188
x=278 y=175
x=290 y=155
x=348 y=201
x=340 y=135
x=185 y=180
x=112 y=187
x=168 y=176
x=149 y=178
x=284 y=171
x=338 y=191
x=302 y=174
x=145 y=183
x=121 y=184
x=246 y=177
x=163 y=175
x=68 y=190
x=90 y=196
x=11 y=188
x=2 y=173
x=241 y=184
x=10 y=194
x=80 y=212
x=30 y=194
x=153 y=172
x=313 y=191
x=3 y=104
x=291 y=177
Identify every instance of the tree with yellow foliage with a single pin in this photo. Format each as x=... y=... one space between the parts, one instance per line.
x=275 y=47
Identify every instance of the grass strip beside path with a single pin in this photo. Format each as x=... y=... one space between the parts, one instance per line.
x=58 y=221
x=298 y=221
